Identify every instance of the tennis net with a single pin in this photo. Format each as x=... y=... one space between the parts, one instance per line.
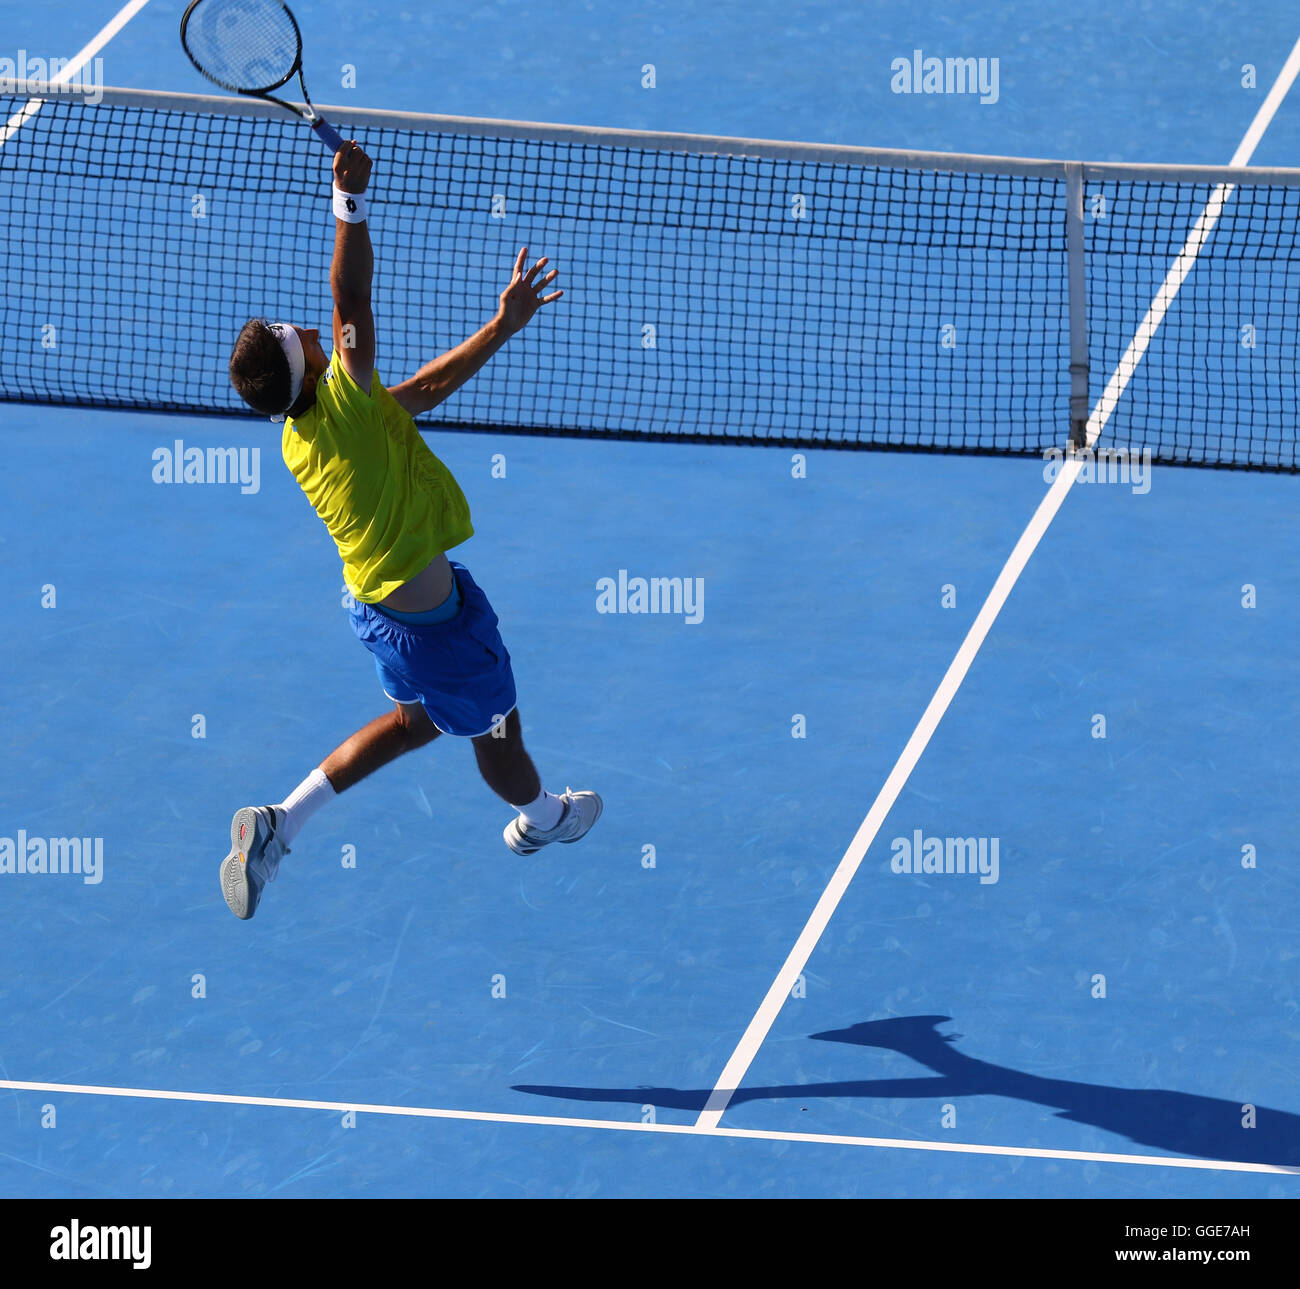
x=715 y=289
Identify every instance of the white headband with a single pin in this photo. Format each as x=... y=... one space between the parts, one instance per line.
x=292 y=346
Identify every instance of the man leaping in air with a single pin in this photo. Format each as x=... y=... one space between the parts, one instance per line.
x=393 y=510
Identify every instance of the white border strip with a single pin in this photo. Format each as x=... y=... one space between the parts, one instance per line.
x=114 y=25
x=759 y=1027
x=756 y=1032
x=1268 y=109
x=699 y=144
x=676 y=1129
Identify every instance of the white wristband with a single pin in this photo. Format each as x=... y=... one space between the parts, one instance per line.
x=350 y=207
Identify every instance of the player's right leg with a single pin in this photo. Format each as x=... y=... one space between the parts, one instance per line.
x=508 y=770
x=460 y=668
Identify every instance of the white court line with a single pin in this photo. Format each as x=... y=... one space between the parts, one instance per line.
x=707 y=1124
x=115 y=24
x=759 y=1027
x=676 y=1129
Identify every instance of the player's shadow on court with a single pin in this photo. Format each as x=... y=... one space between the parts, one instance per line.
x=1179 y=1122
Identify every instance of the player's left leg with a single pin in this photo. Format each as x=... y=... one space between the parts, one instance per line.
x=386 y=738
x=260 y=836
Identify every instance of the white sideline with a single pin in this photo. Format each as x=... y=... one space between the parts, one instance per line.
x=759 y=1027
x=114 y=25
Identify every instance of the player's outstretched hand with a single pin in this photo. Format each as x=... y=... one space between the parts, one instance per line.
x=351 y=167
x=523 y=297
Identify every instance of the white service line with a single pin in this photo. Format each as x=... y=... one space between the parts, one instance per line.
x=759 y=1027
x=114 y=25
x=677 y=1129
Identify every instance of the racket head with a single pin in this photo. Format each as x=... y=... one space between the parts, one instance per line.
x=249 y=46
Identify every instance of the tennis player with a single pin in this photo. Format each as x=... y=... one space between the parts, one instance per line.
x=393 y=510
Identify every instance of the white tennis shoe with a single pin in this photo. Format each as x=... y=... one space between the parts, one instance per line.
x=581 y=810
x=255 y=854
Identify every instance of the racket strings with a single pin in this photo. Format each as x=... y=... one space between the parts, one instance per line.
x=244 y=44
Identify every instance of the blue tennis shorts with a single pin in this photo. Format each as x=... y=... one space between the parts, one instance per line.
x=457 y=670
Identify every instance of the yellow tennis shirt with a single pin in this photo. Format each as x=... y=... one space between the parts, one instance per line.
x=389 y=504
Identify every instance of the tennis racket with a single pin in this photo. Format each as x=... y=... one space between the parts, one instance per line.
x=251 y=47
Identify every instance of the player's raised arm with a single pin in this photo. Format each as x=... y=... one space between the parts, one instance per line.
x=519 y=302
x=353 y=266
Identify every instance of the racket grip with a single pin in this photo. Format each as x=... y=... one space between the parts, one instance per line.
x=328 y=134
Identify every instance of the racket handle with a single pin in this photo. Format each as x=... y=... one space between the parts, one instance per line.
x=328 y=134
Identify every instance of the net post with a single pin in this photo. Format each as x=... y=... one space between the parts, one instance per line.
x=1078 y=299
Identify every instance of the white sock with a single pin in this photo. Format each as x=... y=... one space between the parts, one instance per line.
x=544 y=813
x=303 y=802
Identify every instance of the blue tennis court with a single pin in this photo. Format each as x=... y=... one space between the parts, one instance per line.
x=1106 y=1006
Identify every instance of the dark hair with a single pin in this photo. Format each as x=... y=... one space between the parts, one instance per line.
x=259 y=370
